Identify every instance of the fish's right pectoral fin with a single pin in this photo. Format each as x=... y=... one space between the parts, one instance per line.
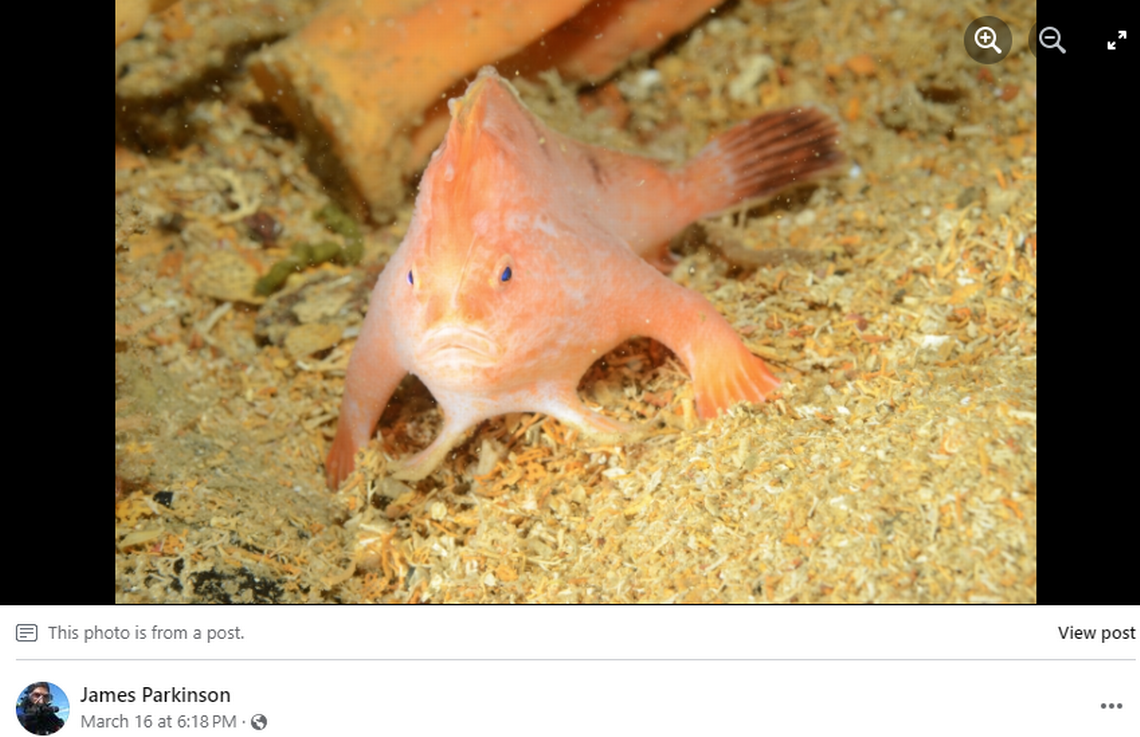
x=373 y=375
x=341 y=459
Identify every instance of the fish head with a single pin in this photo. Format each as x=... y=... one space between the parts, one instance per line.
x=482 y=307
x=490 y=115
x=481 y=286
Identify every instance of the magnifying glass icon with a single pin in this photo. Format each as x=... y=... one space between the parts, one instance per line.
x=1052 y=41
x=985 y=38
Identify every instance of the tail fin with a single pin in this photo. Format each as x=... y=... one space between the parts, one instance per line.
x=756 y=159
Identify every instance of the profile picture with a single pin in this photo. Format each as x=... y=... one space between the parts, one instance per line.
x=42 y=708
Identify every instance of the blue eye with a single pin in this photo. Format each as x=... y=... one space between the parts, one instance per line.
x=506 y=275
x=410 y=280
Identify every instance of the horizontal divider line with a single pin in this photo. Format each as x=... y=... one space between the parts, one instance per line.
x=586 y=659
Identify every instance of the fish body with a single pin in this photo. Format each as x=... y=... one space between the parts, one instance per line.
x=530 y=255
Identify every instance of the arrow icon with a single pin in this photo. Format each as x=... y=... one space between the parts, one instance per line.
x=1112 y=46
x=1122 y=34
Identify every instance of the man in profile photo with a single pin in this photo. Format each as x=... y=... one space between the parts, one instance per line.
x=35 y=711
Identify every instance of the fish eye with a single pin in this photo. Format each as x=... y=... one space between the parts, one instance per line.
x=503 y=272
x=410 y=279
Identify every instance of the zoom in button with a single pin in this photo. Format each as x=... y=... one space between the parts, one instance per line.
x=988 y=40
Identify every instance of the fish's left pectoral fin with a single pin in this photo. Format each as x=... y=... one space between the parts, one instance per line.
x=721 y=378
x=724 y=371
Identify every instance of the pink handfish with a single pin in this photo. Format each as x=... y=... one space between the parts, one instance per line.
x=530 y=255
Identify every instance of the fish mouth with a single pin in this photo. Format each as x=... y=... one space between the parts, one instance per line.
x=459 y=344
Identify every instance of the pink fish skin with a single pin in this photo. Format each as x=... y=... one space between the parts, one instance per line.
x=530 y=255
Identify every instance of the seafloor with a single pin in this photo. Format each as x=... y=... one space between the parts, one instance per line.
x=898 y=303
